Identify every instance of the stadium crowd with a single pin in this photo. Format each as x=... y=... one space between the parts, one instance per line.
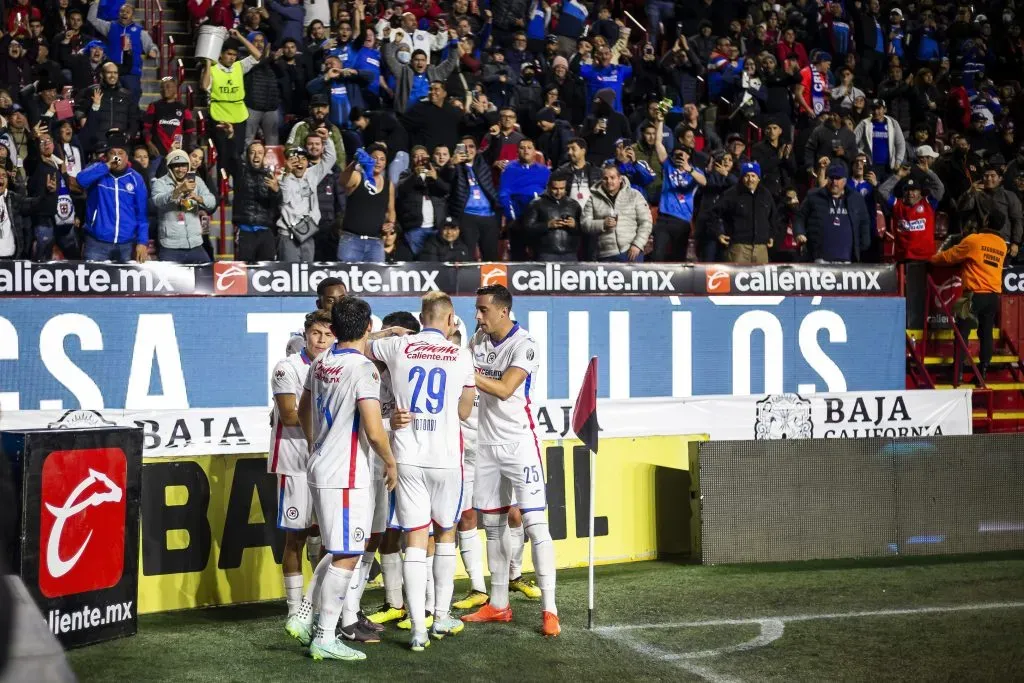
x=379 y=131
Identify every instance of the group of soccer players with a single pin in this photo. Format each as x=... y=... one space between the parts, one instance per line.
x=372 y=448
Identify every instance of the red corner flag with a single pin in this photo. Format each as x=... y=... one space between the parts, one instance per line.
x=584 y=415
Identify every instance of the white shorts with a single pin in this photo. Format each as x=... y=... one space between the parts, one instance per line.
x=507 y=474
x=294 y=506
x=384 y=515
x=345 y=517
x=428 y=494
x=468 y=476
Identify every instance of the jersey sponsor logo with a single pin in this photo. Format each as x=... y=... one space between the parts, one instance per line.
x=229 y=277
x=426 y=351
x=169 y=122
x=82 y=520
x=329 y=374
x=717 y=281
x=915 y=225
x=494 y=274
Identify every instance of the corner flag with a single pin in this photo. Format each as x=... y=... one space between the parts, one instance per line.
x=584 y=415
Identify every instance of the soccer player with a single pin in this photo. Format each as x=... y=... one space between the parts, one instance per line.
x=433 y=379
x=340 y=415
x=289 y=451
x=508 y=458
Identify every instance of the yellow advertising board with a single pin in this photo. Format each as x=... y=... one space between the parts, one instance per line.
x=209 y=534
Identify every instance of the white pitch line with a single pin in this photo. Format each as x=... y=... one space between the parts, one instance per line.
x=772 y=628
x=815 y=617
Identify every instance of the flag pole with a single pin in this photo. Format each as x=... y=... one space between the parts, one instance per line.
x=590 y=563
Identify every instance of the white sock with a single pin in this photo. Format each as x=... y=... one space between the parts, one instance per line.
x=312 y=596
x=354 y=596
x=414 y=571
x=444 y=579
x=498 y=551
x=517 y=539
x=429 y=604
x=391 y=568
x=293 y=592
x=332 y=598
x=472 y=558
x=543 y=551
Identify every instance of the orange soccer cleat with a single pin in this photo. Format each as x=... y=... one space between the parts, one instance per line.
x=551 y=626
x=489 y=613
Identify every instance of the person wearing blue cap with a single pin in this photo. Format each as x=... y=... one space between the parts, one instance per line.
x=746 y=219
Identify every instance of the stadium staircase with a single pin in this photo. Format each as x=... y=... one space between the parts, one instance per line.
x=932 y=354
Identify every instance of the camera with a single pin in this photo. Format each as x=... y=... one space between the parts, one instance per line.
x=116 y=159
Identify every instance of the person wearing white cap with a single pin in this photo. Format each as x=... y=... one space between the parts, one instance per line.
x=178 y=196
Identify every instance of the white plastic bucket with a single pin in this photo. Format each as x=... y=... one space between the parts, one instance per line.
x=210 y=41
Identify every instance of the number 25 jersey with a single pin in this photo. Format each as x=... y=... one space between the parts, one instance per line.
x=511 y=420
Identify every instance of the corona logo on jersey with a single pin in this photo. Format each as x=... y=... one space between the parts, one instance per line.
x=493 y=274
x=230 y=277
x=82 y=521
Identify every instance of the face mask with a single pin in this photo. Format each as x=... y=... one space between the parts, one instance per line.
x=404 y=57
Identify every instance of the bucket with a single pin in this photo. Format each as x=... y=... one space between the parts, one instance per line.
x=210 y=41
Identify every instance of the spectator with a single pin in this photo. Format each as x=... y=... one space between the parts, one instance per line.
x=571 y=90
x=412 y=80
x=433 y=121
x=262 y=94
x=913 y=214
x=111 y=108
x=125 y=36
x=178 y=196
x=474 y=201
x=746 y=218
x=501 y=144
x=290 y=19
x=293 y=73
x=369 y=209
x=786 y=249
x=168 y=123
x=555 y=134
x=14 y=207
x=619 y=216
x=86 y=66
x=117 y=225
x=15 y=69
x=317 y=122
x=39 y=98
x=552 y=223
x=603 y=75
x=604 y=127
x=833 y=220
x=224 y=80
x=679 y=185
x=775 y=159
x=812 y=93
x=581 y=175
x=18 y=18
x=881 y=138
x=521 y=181
x=651 y=151
x=420 y=203
x=417 y=39
x=341 y=86
x=639 y=174
x=53 y=217
x=789 y=47
x=382 y=127
x=831 y=140
x=330 y=199
x=445 y=246
x=257 y=197
x=395 y=248
x=228 y=13
x=299 y=217
x=988 y=195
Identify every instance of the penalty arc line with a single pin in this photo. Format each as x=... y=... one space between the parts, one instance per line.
x=772 y=629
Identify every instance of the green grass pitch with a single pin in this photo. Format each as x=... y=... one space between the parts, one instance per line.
x=951 y=619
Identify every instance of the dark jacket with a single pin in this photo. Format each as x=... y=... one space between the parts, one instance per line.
x=83 y=73
x=262 y=92
x=897 y=96
x=813 y=219
x=437 y=250
x=331 y=199
x=409 y=200
x=822 y=143
x=746 y=217
x=547 y=240
x=776 y=173
x=292 y=79
x=430 y=125
x=255 y=203
x=573 y=95
x=460 y=187
x=18 y=207
x=553 y=144
x=116 y=111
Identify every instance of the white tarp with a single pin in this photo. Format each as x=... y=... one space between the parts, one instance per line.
x=210 y=431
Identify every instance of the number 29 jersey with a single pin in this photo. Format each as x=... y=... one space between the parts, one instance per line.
x=337 y=381
x=428 y=374
x=509 y=421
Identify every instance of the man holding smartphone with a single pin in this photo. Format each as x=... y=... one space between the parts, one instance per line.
x=117 y=227
x=178 y=197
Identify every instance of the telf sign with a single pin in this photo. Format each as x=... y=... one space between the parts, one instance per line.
x=82 y=520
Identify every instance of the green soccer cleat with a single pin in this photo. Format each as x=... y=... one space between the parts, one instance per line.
x=406 y=624
x=527 y=588
x=387 y=613
x=334 y=650
x=299 y=630
x=419 y=642
x=446 y=627
x=472 y=599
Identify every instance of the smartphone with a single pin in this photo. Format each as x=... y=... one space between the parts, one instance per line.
x=190 y=175
x=460 y=148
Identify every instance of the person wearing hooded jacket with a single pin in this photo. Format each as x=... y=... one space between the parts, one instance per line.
x=604 y=127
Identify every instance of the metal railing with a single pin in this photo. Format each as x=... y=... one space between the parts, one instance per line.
x=225 y=189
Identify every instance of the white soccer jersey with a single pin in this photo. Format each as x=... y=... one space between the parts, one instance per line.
x=428 y=374
x=470 y=424
x=511 y=420
x=288 y=449
x=337 y=381
x=387 y=408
